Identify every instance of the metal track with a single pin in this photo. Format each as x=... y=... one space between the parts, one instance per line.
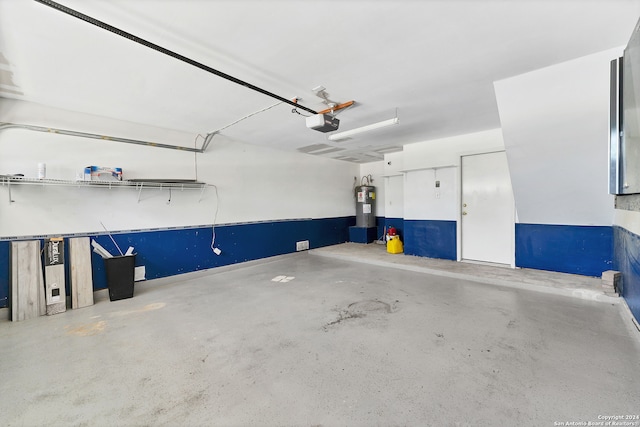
x=207 y=140
x=121 y=33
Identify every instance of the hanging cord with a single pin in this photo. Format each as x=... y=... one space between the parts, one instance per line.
x=195 y=154
x=215 y=217
x=249 y=115
x=295 y=111
x=369 y=179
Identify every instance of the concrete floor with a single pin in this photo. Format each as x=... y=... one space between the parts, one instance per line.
x=344 y=343
x=583 y=287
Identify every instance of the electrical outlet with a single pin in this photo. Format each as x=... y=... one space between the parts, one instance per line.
x=302 y=245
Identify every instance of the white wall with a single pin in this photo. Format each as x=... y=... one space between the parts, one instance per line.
x=254 y=183
x=555 y=126
x=426 y=162
x=422 y=200
x=447 y=151
x=627 y=219
x=394 y=185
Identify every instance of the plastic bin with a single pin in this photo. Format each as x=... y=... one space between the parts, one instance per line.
x=120 y=275
x=394 y=245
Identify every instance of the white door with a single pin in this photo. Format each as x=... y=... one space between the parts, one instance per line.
x=487 y=209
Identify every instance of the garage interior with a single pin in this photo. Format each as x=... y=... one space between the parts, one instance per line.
x=261 y=162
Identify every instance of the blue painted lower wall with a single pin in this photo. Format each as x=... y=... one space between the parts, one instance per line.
x=170 y=252
x=586 y=250
x=430 y=238
x=363 y=234
x=380 y=222
x=626 y=255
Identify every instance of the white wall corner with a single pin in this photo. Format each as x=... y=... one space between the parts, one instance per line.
x=555 y=126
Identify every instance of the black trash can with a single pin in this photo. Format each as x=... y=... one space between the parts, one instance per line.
x=120 y=275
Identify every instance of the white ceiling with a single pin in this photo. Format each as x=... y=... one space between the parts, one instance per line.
x=433 y=61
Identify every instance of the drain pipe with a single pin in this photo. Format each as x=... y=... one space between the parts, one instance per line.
x=205 y=144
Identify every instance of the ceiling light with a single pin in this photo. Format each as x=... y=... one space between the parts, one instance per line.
x=348 y=133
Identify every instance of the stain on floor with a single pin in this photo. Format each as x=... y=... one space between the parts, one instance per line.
x=360 y=309
x=88 y=329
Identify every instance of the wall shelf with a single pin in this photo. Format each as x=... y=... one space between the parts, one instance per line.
x=11 y=180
